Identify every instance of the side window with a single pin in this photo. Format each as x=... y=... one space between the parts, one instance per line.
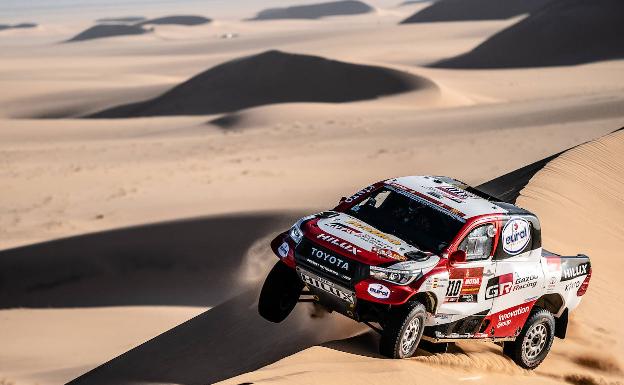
x=478 y=243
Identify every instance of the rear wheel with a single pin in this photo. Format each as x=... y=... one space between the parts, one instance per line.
x=280 y=293
x=534 y=341
x=403 y=330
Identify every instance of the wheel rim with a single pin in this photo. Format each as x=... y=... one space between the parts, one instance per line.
x=410 y=335
x=535 y=341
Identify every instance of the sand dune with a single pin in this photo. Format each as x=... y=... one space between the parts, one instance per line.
x=272 y=77
x=566 y=32
x=108 y=30
x=17 y=26
x=125 y=19
x=177 y=20
x=315 y=11
x=462 y=10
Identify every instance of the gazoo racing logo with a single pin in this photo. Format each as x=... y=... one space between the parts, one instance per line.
x=505 y=284
x=516 y=235
x=333 y=260
x=338 y=242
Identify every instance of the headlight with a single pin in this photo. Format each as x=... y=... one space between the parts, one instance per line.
x=295 y=233
x=400 y=277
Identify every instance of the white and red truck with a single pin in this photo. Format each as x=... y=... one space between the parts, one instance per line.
x=429 y=260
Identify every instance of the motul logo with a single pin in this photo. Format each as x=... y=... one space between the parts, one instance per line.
x=338 y=242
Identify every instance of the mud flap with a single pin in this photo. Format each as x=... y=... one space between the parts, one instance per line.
x=561 y=325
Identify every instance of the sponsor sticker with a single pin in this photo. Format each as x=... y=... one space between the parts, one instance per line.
x=506 y=283
x=572 y=270
x=504 y=319
x=464 y=284
x=378 y=290
x=283 y=249
x=339 y=242
x=389 y=253
x=327 y=286
x=453 y=193
x=360 y=193
x=331 y=259
x=516 y=235
x=343 y=228
x=373 y=231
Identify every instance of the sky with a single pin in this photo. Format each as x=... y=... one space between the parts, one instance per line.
x=40 y=11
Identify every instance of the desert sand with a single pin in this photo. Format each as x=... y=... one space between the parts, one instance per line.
x=111 y=224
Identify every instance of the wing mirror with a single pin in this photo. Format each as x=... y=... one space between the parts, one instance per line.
x=457 y=256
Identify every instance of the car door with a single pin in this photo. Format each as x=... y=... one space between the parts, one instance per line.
x=519 y=279
x=465 y=304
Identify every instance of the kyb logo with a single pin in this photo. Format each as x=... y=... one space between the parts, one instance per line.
x=322 y=255
x=338 y=242
x=516 y=235
x=575 y=271
x=378 y=290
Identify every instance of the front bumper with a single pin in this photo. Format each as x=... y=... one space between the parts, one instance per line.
x=366 y=290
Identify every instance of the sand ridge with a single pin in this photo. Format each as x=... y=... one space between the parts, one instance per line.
x=463 y=10
x=551 y=37
x=268 y=78
x=315 y=11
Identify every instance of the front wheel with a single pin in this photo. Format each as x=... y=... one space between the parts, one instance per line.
x=534 y=341
x=403 y=330
x=280 y=293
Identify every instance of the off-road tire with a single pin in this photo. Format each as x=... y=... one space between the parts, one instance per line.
x=398 y=330
x=280 y=293
x=534 y=341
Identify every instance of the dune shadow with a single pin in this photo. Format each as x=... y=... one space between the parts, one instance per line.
x=220 y=343
x=364 y=344
x=194 y=262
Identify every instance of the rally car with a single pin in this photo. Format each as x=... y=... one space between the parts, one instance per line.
x=429 y=260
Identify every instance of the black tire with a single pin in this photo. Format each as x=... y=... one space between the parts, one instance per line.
x=534 y=341
x=280 y=293
x=399 y=339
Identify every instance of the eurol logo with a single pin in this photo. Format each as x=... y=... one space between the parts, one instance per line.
x=516 y=235
x=378 y=290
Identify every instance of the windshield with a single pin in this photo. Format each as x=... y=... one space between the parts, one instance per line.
x=410 y=218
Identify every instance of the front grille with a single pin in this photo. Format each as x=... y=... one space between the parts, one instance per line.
x=326 y=263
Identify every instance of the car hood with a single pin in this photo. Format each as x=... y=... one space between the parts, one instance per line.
x=359 y=240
